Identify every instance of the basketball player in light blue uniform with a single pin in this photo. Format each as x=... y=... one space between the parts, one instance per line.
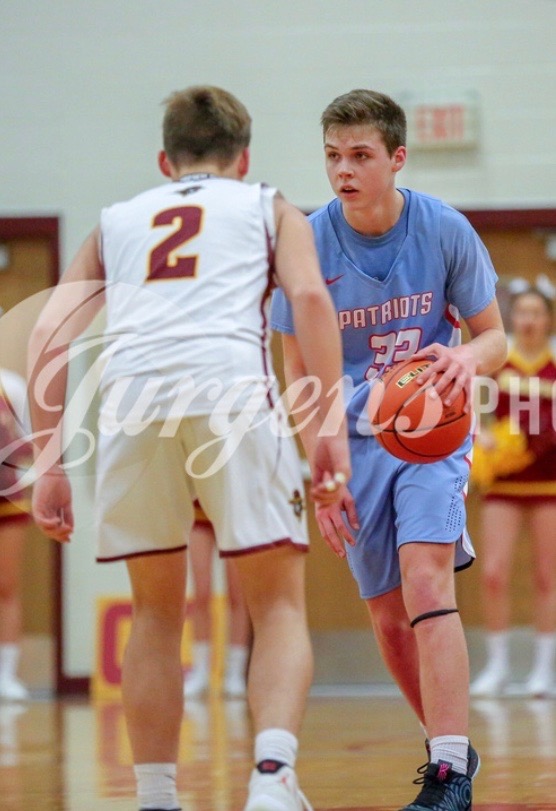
x=402 y=269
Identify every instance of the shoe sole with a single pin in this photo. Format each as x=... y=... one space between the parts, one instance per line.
x=267 y=804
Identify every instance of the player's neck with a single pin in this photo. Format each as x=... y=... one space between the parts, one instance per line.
x=207 y=169
x=378 y=218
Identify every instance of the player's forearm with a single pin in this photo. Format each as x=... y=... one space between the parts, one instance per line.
x=490 y=349
x=73 y=304
x=321 y=352
x=302 y=406
x=47 y=375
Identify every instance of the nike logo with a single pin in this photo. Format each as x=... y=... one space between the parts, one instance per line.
x=335 y=279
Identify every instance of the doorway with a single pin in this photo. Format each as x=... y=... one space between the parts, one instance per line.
x=29 y=266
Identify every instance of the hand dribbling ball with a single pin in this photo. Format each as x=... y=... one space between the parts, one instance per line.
x=410 y=423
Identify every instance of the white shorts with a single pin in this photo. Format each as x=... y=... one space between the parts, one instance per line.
x=249 y=484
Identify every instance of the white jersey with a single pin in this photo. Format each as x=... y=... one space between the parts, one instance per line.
x=188 y=268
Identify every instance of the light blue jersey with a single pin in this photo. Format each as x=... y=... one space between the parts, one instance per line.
x=398 y=292
x=395 y=294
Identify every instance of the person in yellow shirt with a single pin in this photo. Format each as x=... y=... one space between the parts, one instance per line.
x=522 y=490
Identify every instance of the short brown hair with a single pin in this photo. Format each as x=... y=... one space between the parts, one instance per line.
x=368 y=107
x=204 y=122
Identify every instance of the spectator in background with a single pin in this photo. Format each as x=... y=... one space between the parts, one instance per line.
x=197 y=680
x=15 y=506
x=515 y=464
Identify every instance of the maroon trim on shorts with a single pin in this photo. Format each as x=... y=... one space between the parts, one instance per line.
x=264 y=548
x=15 y=518
x=202 y=522
x=139 y=554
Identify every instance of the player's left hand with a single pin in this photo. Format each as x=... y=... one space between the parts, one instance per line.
x=331 y=469
x=452 y=371
x=330 y=490
x=336 y=521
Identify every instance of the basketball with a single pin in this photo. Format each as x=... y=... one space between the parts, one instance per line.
x=409 y=423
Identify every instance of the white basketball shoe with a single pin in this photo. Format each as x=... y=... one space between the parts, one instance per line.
x=490 y=683
x=276 y=792
x=540 y=685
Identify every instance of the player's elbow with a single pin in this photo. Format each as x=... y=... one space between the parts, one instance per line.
x=314 y=313
x=40 y=336
x=41 y=340
x=294 y=369
x=312 y=301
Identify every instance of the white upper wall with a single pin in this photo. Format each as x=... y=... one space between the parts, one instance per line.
x=82 y=85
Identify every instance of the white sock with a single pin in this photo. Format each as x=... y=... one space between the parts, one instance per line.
x=451 y=748
x=9 y=660
x=236 y=661
x=498 y=650
x=156 y=786
x=545 y=649
x=276 y=744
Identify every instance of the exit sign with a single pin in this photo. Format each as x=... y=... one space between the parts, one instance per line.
x=450 y=122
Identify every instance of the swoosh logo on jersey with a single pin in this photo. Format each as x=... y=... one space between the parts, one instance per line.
x=189 y=190
x=335 y=279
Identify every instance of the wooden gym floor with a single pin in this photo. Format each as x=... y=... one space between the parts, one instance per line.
x=357 y=752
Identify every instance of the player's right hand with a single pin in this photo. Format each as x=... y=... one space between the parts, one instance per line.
x=52 y=505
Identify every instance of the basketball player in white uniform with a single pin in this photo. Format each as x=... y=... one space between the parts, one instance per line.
x=188 y=410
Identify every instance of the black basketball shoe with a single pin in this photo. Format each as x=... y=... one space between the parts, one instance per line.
x=443 y=790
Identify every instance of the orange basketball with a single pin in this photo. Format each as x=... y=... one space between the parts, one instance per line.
x=411 y=424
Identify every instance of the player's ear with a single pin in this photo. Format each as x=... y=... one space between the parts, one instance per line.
x=164 y=164
x=399 y=158
x=243 y=165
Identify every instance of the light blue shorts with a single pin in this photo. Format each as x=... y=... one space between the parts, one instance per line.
x=397 y=503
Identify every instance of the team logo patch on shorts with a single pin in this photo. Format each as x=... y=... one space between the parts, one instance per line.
x=297 y=503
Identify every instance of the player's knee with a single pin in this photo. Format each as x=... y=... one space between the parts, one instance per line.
x=427 y=584
x=202 y=603
x=391 y=629
x=495 y=582
x=158 y=616
x=423 y=592
x=388 y=615
x=544 y=582
x=8 y=587
x=276 y=613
